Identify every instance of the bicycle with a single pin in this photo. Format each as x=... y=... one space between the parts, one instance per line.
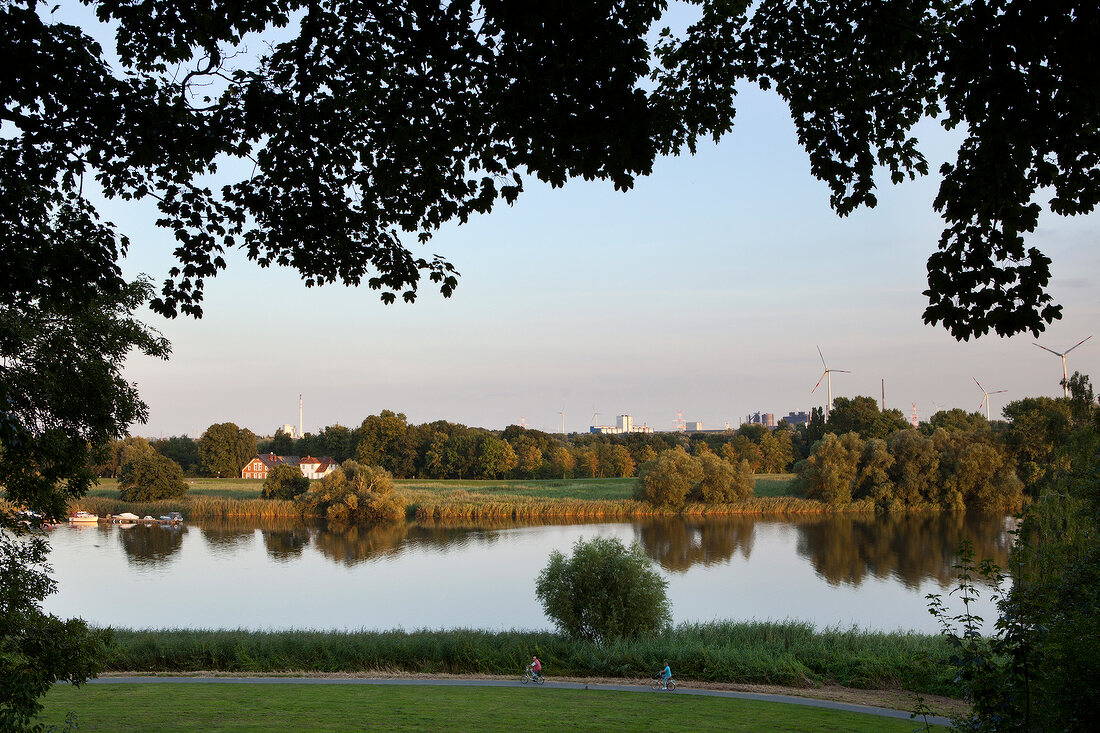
x=658 y=682
x=529 y=676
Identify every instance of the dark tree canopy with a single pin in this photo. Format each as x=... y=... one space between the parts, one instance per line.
x=151 y=477
x=364 y=125
x=862 y=415
x=284 y=482
x=225 y=449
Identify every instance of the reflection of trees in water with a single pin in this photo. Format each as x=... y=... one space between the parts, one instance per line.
x=912 y=548
x=151 y=544
x=285 y=544
x=350 y=544
x=227 y=533
x=678 y=543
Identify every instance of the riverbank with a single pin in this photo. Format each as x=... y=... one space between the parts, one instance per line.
x=467 y=501
x=790 y=653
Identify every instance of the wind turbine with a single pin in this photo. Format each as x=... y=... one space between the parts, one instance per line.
x=985 y=399
x=828 y=377
x=1065 y=376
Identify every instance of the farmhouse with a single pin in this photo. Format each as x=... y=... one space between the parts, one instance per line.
x=316 y=467
x=311 y=468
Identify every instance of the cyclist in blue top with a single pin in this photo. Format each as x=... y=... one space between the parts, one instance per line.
x=666 y=675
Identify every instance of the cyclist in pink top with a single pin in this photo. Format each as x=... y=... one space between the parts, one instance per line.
x=535 y=666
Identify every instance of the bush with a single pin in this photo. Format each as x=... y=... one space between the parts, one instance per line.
x=355 y=494
x=832 y=470
x=723 y=483
x=603 y=592
x=151 y=477
x=667 y=480
x=284 y=482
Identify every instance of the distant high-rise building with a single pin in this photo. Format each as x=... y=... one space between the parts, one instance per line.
x=623 y=424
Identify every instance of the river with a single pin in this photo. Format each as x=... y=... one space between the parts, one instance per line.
x=866 y=572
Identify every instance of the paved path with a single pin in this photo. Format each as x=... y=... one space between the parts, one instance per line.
x=461 y=682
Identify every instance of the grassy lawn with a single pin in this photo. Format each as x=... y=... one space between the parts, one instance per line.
x=604 y=489
x=227 y=488
x=774 y=484
x=292 y=707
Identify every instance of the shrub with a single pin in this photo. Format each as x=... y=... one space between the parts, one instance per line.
x=723 y=483
x=284 y=482
x=603 y=592
x=355 y=494
x=831 y=471
x=151 y=477
x=667 y=480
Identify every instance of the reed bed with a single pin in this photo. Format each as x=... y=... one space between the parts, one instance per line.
x=787 y=653
x=467 y=506
x=103 y=505
x=214 y=506
x=196 y=507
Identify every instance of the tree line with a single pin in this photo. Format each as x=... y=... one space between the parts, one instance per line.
x=446 y=450
x=863 y=454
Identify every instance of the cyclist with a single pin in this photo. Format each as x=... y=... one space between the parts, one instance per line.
x=665 y=675
x=536 y=667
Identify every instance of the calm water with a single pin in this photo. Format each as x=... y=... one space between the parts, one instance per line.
x=867 y=572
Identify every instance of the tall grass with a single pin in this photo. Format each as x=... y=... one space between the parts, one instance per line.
x=468 y=506
x=197 y=507
x=787 y=653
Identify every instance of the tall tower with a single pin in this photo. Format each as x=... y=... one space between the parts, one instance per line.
x=300 y=433
x=914 y=420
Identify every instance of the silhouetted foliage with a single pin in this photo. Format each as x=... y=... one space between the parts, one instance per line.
x=151 y=477
x=181 y=449
x=226 y=449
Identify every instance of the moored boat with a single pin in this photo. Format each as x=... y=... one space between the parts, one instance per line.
x=83 y=517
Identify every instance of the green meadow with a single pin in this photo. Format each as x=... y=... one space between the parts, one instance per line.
x=288 y=707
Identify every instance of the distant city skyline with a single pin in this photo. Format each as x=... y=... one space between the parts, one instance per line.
x=707 y=290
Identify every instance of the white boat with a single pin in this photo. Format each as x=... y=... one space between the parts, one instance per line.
x=82 y=518
x=125 y=517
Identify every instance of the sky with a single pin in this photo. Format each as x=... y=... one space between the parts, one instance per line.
x=706 y=291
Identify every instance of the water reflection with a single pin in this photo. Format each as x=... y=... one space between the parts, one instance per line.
x=146 y=544
x=350 y=544
x=227 y=533
x=911 y=549
x=285 y=544
x=841 y=549
x=678 y=544
x=868 y=571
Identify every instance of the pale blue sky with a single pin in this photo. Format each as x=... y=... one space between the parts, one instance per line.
x=705 y=289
